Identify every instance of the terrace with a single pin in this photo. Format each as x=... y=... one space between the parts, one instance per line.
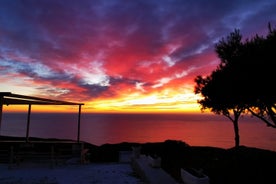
x=16 y=149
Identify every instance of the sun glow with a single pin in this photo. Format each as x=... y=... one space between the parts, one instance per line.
x=153 y=103
x=163 y=101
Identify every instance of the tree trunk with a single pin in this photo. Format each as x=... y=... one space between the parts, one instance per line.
x=236 y=130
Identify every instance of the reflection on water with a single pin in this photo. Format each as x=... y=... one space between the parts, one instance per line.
x=197 y=130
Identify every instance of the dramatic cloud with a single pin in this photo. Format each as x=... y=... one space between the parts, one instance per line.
x=119 y=54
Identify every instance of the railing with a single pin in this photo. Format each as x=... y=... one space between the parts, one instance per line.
x=16 y=153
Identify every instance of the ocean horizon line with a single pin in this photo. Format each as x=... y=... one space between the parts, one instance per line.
x=99 y=128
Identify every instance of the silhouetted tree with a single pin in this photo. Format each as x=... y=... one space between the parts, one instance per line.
x=243 y=81
x=218 y=90
x=260 y=55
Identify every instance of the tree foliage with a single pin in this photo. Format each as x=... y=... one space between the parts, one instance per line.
x=243 y=81
x=261 y=52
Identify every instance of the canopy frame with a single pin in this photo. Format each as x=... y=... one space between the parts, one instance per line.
x=8 y=98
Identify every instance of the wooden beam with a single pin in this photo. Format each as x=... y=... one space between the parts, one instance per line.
x=15 y=99
x=78 y=138
x=1 y=111
x=28 y=123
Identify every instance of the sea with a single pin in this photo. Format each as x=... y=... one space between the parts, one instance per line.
x=98 y=129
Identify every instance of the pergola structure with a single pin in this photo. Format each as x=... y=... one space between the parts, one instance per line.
x=8 y=98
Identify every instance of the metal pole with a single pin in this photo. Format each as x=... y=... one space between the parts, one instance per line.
x=1 y=111
x=28 y=123
x=78 y=139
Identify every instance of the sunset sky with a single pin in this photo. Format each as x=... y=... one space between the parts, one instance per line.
x=119 y=55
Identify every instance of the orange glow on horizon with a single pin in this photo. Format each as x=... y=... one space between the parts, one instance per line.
x=166 y=100
x=192 y=109
x=148 y=104
x=185 y=103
